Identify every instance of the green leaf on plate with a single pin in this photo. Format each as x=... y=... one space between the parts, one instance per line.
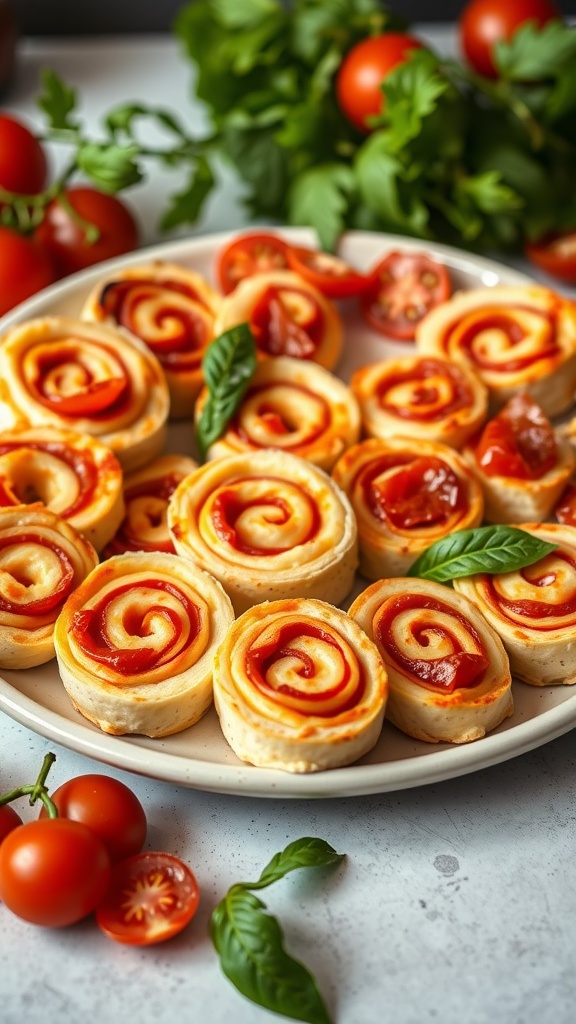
x=228 y=365
x=487 y=549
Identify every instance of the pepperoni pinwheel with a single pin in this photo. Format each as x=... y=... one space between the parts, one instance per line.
x=268 y=525
x=420 y=396
x=42 y=561
x=448 y=672
x=534 y=609
x=298 y=407
x=406 y=494
x=136 y=641
x=73 y=475
x=90 y=378
x=519 y=338
x=172 y=310
x=299 y=686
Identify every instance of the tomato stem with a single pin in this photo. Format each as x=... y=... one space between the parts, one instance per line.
x=37 y=791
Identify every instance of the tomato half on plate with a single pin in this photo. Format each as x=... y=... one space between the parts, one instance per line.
x=151 y=897
x=402 y=289
x=329 y=274
x=253 y=253
x=556 y=255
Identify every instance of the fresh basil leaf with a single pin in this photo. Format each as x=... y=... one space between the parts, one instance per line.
x=228 y=365
x=250 y=945
x=487 y=549
x=57 y=101
x=303 y=853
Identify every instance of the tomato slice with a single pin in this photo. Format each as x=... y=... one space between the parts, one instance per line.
x=253 y=253
x=329 y=274
x=151 y=897
x=93 y=399
x=518 y=443
x=420 y=494
x=556 y=255
x=402 y=289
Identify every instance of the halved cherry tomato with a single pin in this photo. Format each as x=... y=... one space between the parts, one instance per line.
x=9 y=820
x=565 y=510
x=253 y=253
x=519 y=442
x=556 y=255
x=402 y=289
x=329 y=274
x=53 y=871
x=151 y=897
x=108 y=808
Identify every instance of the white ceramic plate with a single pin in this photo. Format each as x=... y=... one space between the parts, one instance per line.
x=200 y=757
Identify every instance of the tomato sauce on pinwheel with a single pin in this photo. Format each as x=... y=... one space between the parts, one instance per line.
x=406 y=494
x=269 y=525
x=172 y=310
x=60 y=372
x=519 y=338
x=299 y=408
x=147 y=492
x=448 y=671
x=73 y=475
x=534 y=609
x=136 y=641
x=522 y=466
x=42 y=561
x=298 y=686
x=287 y=315
x=420 y=396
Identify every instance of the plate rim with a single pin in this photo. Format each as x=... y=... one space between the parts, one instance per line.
x=446 y=762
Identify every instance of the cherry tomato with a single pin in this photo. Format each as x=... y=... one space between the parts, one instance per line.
x=329 y=274
x=364 y=68
x=556 y=255
x=23 y=165
x=53 y=871
x=24 y=269
x=151 y=897
x=65 y=239
x=253 y=253
x=485 y=22
x=108 y=808
x=9 y=820
x=403 y=288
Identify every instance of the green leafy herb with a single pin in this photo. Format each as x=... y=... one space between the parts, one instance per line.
x=249 y=941
x=487 y=549
x=228 y=365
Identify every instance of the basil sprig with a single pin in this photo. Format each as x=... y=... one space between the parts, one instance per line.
x=486 y=549
x=228 y=365
x=249 y=941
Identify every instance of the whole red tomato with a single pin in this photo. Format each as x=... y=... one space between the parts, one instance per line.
x=485 y=22
x=53 y=871
x=108 y=808
x=25 y=268
x=64 y=237
x=23 y=166
x=364 y=68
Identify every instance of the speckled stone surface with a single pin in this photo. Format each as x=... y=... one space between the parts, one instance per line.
x=456 y=903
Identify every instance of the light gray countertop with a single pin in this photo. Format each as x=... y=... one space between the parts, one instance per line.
x=456 y=903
